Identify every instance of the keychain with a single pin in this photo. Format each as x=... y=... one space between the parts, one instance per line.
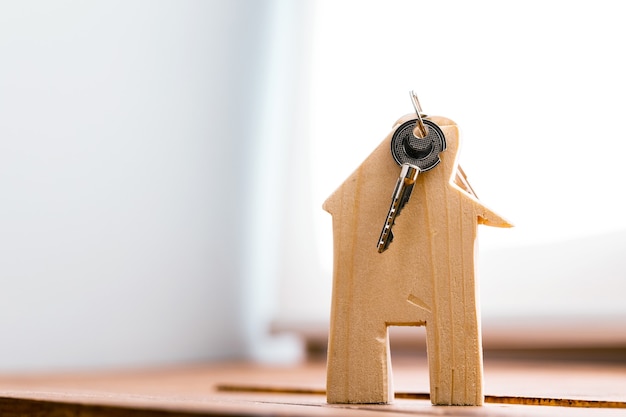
x=415 y=146
x=426 y=278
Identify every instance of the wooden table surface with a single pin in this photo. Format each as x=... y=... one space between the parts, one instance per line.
x=256 y=390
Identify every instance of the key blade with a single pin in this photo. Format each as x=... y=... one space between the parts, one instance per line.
x=401 y=195
x=386 y=235
x=384 y=241
x=405 y=197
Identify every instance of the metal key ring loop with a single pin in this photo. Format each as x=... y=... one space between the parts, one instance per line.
x=420 y=131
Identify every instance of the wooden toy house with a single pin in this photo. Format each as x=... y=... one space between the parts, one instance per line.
x=425 y=278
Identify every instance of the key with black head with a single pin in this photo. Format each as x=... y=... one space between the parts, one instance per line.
x=415 y=146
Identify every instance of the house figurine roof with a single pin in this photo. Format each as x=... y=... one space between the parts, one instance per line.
x=380 y=163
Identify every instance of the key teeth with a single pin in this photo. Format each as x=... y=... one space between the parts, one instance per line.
x=383 y=244
x=405 y=198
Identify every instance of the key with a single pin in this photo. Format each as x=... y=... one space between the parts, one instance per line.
x=414 y=154
x=401 y=195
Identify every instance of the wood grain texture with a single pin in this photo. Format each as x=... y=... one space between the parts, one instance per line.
x=492 y=399
x=298 y=391
x=426 y=277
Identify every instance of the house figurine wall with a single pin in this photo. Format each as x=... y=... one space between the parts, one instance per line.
x=425 y=278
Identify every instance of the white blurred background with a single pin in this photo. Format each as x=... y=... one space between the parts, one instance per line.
x=163 y=164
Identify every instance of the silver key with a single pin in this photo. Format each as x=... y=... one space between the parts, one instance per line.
x=401 y=194
x=414 y=154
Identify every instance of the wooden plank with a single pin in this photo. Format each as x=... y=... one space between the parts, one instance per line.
x=490 y=399
x=189 y=391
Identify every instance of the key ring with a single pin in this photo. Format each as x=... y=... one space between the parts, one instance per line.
x=420 y=130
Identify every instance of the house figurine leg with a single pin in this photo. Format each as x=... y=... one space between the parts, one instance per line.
x=359 y=365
